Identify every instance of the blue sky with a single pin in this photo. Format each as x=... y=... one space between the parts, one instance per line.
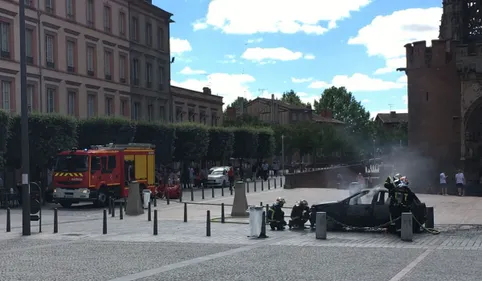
x=256 y=48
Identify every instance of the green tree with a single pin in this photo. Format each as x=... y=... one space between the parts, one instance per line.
x=266 y=143
x=307 y=137
x=104 y=130
x=292 y=98
x=245 y=143
x=244 y=120
x=192 y=142
x=5 y=122
x=239 y=102
x=161 y=135
x=221 y=142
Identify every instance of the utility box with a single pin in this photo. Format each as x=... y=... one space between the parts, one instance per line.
x=146 y=196
x=255 y=220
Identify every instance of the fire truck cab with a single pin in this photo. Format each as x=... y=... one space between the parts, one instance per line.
x=102 y=172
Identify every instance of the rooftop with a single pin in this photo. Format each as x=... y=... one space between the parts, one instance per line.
x=392 y=117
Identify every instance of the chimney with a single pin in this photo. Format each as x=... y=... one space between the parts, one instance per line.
x=272 y=96
x=393 y=114
x=206 y=91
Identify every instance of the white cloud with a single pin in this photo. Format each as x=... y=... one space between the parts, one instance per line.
x=272 y=16
x=358 y=83
x=385 y=36
x=228 y=59
x=309 y=57
x=301 y=80
x=273 y=54
x=189 y=71
x=256 y=40
x=229 y=86
x=373 y=114
x=179 y=46
x=402 y=79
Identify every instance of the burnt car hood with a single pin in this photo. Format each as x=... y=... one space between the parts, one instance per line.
x=326 y=203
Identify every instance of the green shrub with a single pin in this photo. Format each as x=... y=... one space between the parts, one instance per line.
x=159 y=134
x=245 y=143
x=221 y=142
x=104 y=130
x=191 y=143
x=266 y=143
x=48 y=133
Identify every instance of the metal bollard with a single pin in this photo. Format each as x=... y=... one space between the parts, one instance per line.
x=222 y=190
x=254 y=185
x=40 y=220
x=202 y=192
x=185 y=212
x=155 y=201
x=261 y=204
x=180 y=197
x=149 y=212
x=269 y=185
x=212 y=190
x=321 y=225
x=208 y=223
x=192 y=193
x=125 y=204
x=104 y=222
x=407 y=227
x=9 y=227
x=274 y=183
x=121 y=210
x=280 y=182
x=110 y=205
x=155 y=223
x=430 y=223
x=223 y=219
x=262 y=185
x=263 y=227
x=56 y=221
x=113 y=208
x=247 y=187
x=167 y=198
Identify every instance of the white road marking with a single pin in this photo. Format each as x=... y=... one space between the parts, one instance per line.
x=411 y=265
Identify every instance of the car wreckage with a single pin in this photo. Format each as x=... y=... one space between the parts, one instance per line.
x=368 y=208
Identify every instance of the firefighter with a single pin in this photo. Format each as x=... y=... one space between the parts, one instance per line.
x=401 y=199
x=276 y=216
x=299 y=215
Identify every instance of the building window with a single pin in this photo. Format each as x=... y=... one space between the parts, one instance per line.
x=123 y=108
x=107 y=19
x=148 y=75
x=5 y=39
x=90 y=60
x=49 y=50
x=50 y=100
x=179 y=114
x=29 y=45
x=28 y=3
x=191 y=115
x=214 y=119
x=109 y=106
x=150 y=112
x=108 y=65
x=148 y=34
x=135 y=72
x=122 y=68
x=30 y=94
x=70 y=6
x=90 y=13
x=160 y=38
x=135 y=29
x=202 y=117
x=70 y=56
x=91 y=104
x=162 y=113
x=6 y=95
x=49 y=6
x=71 y=97
x=122 y=24
x=135 y=110
x=161 y=77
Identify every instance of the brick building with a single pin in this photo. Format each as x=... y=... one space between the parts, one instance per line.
x=444 y=90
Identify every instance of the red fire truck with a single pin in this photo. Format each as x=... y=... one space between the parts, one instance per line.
x=101 y=172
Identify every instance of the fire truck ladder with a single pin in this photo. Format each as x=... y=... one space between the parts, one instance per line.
x=124 y=146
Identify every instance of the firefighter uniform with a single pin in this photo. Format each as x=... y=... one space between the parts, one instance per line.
x=401 y=199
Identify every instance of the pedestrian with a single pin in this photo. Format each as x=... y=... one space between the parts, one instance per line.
x=275 y=168
x=443 y=183
x=231 y=177
x=460 y=182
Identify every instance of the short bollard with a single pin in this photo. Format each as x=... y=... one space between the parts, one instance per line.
x=430 y=223
x=155 y=201
x=247 y=187
x=321 y=225
x=262 y=185
x=255 y=185
x=125 y=204
x=231 y=190
x=222 y=190
x=155 y=223
x=407 y=227
x=263 y=227
x=202 y=192
x=192 y=193
x=275 y=183
x=167 y=198
x=269 y=185
x=113 y=208
x=180 y=197
x=56 y=221
x=121 y=211
x=40 y=221
x=280 y=182
x=149 y=212
x=110 y=206
x=185 y=212
x=223 y=219
x=212 y=190
x=261 y=204
x=104 y=222
x=208 y=223
x=9 y=228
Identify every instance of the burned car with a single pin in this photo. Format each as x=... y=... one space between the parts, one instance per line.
x=366 y=208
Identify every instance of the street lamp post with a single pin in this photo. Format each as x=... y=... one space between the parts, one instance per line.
x=283 y=153
x=24 y=126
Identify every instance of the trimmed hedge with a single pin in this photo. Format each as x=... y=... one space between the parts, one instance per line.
x=47 y=135
x=181 y=142
x=4 y=134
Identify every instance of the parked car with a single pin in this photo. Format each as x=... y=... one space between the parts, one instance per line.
x=366 y=208
x=218 y=176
